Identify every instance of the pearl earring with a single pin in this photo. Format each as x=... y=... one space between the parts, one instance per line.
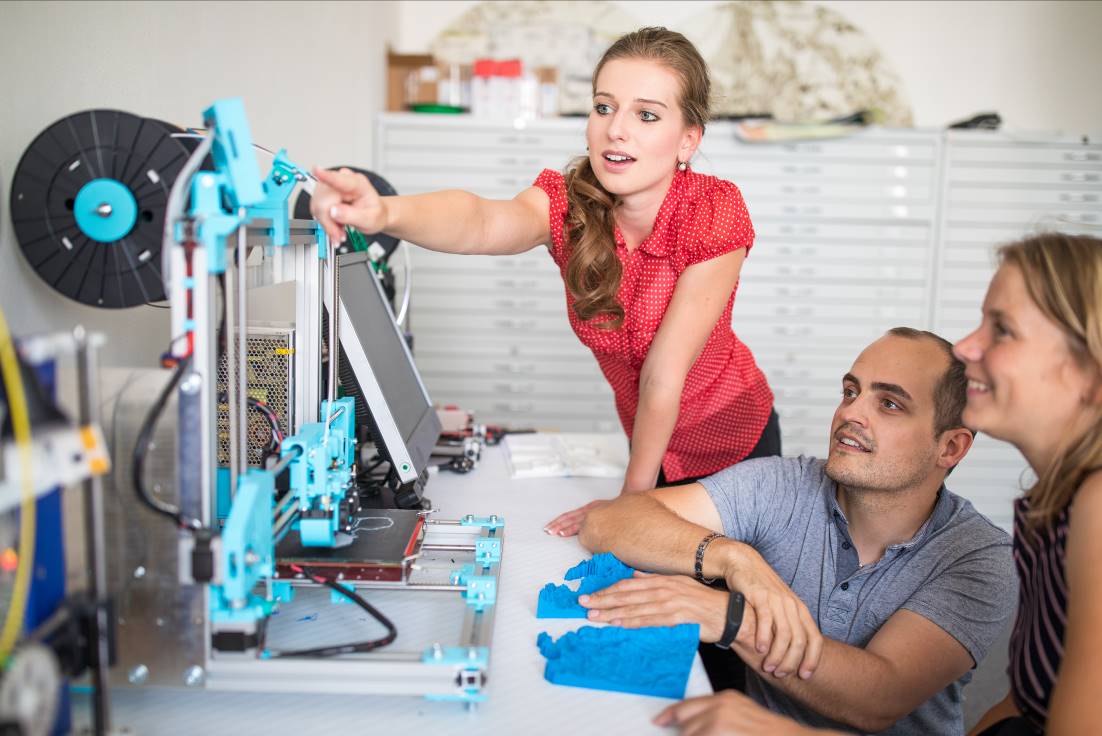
x=682 y=165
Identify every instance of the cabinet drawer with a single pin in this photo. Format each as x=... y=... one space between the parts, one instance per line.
x=742 y=171
x=839 y=211
x=480 y=341
x=1030 y=197
x=446 y=139
x=433 y=302
x=1025 y=154
x=760 y=311
x=439 y=364
x=755 y=190
x=845 y=233
x=777 y=251
x=475 y=281
x=1034 y=219
x=847 y=149
x=796 y=271
x=423 y=159
x=830 y=293
x=1010 y=175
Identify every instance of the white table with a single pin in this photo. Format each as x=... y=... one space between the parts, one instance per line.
x=519 y=699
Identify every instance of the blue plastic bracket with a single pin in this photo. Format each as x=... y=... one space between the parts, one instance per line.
x=283 y=592
x=321 y=474
x=472 y=663
x=323 y=241
x=480 y=590
x=214 y=223
x=247 y=553
x=277 y=188
x=486 y=522
x=233 y=151
x=335 y=597
x=487 y=550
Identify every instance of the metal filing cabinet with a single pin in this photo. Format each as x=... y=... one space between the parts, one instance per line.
x=845 y=230
x=492 y=333
x=854 y=236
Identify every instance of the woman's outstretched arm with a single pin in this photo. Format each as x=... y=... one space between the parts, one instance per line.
x=451 y=221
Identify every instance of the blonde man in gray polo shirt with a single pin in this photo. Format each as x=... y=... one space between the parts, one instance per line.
x=871 y=591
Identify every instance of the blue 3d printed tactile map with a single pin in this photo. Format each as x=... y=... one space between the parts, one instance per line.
x=559 y=601
x=649 y=661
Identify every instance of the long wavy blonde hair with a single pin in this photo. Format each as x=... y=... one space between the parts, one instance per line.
x=593 y=271
x=1063 y=275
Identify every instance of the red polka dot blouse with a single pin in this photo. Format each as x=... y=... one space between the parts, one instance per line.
x=726 y=401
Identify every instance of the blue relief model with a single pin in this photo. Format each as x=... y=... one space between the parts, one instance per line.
x=559 y=601
x=649 y=661
x=597 y=573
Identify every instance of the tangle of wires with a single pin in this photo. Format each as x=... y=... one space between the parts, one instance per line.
x=275 y=441
x=353 y=648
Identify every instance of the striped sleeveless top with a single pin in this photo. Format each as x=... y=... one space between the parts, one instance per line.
x=1037 y=642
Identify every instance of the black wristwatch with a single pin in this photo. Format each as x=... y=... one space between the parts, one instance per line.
x=735 y=605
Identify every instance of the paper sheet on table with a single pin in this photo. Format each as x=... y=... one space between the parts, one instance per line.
x=563 y=455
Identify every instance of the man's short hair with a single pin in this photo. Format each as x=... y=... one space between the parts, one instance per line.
x=951 y=391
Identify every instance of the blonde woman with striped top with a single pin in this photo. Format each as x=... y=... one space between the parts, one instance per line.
x=1035 y=380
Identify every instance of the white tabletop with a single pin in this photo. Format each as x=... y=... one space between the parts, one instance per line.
x=518 y=698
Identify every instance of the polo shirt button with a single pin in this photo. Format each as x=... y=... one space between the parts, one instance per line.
x=845 y=586
x=845 y=545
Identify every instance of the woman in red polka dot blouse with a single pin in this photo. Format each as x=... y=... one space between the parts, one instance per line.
x=650 y=253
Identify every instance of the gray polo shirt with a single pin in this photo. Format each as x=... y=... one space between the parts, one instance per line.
x=957 y=572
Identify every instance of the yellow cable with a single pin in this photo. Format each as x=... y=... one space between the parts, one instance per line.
x=17 y=401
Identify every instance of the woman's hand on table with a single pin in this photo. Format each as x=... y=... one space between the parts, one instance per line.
x=568 y=524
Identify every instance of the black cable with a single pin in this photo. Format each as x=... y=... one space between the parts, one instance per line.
x=141 y=450
x=356 y=648
x=273 y=422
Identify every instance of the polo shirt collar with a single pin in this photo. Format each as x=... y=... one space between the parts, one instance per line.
x=943 y=509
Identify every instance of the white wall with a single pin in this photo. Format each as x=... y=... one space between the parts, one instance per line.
x=1035 y=63
x=311 y=75
x=312 y=78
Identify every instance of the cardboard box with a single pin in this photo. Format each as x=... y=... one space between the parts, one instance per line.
x=404 y=85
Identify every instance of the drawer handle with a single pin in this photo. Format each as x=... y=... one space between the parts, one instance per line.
x=516 y=324
x=513 y=368
x=1073 y=156
x=1083 y=177
x=512 y=388
x=515 y=406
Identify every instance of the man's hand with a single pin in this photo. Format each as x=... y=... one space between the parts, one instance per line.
x=786 y=635
x=728 y=713
x=346 y=198
x=568 y=524
x=660 y=600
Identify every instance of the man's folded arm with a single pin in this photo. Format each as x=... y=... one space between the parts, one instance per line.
x=907 y=662
x=659 y=531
